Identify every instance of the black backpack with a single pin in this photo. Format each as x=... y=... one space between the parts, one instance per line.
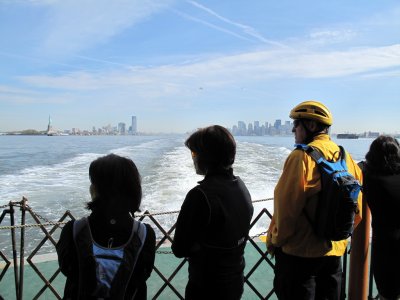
x=113 y=266
x=337 y=203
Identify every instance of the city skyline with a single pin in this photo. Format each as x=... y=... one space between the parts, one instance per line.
x=285 y=127
x=258 y=128
x=242 y=128
x=120 y=128
x=183 y=64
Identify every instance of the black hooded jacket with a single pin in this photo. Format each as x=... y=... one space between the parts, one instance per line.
x=212 y=228
x=382 y=193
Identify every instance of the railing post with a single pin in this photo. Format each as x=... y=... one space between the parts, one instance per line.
x=14 y=250
x=22 y=248
x=359 y=258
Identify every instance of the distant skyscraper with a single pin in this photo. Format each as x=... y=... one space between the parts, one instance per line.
x=242 y=128
x=235 y=130
x=257 y=128
x=121 y=128
x=278 y=124
x=134 y=125
x=276 y=128
x=250 y=130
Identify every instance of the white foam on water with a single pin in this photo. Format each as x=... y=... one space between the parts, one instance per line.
x=42 y=181
x=167 y=175
x=52 y=189
x=141 y=151
x=260 y=167
x=171 y=177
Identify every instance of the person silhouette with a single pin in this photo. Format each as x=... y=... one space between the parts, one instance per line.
x=110 y=229
x=381 y=190
x=214 y=221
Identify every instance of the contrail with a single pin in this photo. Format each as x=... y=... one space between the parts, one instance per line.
x=247 y=29
x=210 y=25
x=36 y=59
x=103 y=61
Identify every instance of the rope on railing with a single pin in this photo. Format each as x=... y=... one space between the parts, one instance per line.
x=33 y=225
x=263 y=200
x=251 y=238
x=52 y=223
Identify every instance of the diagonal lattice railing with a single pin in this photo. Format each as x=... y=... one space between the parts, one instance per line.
x=48 y=237
x=50 y=231
x=263 y=257
x=166 y=238
x=49 y=228
x=7 y=262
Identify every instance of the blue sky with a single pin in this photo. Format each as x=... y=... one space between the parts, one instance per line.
x=179 y=65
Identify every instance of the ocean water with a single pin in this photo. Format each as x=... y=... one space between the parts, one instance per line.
x=52 y=172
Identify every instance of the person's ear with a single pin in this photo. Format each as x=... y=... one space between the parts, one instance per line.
x=311 y=125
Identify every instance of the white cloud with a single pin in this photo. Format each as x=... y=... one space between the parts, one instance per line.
x=43 y=2
x=29 y=2
x=254 y=66
x=329 y=36
x=22 y=96
x=79 y=24
x=384 y=74
x=4 y=89
x=71 y=81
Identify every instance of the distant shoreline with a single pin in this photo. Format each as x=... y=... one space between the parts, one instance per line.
x=32 y=132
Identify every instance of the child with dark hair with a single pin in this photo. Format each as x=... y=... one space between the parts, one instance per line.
x=110 y=229
x=382 y=192
x=214 y=221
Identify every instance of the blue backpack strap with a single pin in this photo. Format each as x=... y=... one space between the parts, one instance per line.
x=313 y=152
x=317 y=156
x=303 y=147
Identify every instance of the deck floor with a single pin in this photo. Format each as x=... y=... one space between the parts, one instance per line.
x=261 y=279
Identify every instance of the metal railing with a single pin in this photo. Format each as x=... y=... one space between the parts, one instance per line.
x=49 y=228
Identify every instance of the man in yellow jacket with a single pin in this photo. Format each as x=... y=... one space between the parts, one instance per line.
x=306 y=266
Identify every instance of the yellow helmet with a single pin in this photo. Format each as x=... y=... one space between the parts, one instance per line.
x=312 y=110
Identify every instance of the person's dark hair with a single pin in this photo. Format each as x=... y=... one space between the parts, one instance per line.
x=383 y=156
x=319 y=126
x=117 y=185
x=214 y=146
x=322 y=127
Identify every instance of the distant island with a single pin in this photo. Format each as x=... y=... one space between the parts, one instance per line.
x=347 y=136
x=26 y=132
